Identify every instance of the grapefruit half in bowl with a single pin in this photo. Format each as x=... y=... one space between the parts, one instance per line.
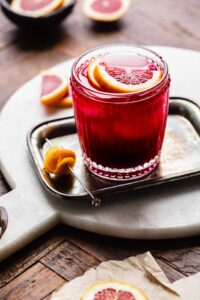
x=40 y=23
x=106 y=10
x=35 y=8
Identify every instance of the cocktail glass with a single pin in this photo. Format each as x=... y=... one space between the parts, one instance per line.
x=121 y=134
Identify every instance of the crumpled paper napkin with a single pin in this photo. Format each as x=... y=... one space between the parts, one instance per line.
x=142 y=271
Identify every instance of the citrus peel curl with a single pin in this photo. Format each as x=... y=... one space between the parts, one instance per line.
x=57 y=160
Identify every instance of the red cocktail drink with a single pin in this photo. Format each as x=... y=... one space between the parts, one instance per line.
x=120 y=95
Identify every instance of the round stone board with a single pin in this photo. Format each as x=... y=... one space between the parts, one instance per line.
x=168 y=211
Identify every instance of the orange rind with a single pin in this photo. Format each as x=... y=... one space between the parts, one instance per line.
x=92 y=65
x=113 y=290
x=57 y=160
x=66 y=102
x=106 y=10
x=54 y=88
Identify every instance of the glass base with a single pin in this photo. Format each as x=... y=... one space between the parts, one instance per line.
x=122 y=174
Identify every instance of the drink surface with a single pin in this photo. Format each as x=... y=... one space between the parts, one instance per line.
x=121 y=118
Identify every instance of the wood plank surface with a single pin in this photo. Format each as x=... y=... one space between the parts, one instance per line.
x=38 y=280
x=64 y=252
x=17 y=264
x=69 y=260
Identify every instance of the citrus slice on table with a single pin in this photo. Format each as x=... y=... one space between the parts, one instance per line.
x=106 y=10
x=57 y=160
x=54 y=88
x=66 y=102
x=35 y=8
x=113 y=290
x=125 y=79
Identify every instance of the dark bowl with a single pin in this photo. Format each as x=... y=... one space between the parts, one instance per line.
x=41 y=23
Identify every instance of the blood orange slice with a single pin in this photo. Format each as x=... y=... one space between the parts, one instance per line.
x=92 y=65
x=54 y=88
x=35 y=8
x=113 y=290
x=106 y=10
x=66 y=102
x=125 y=79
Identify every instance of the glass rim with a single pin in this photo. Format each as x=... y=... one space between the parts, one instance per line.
x=111 y=94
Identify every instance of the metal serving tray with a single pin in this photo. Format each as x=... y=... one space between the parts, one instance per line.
x=180 y=154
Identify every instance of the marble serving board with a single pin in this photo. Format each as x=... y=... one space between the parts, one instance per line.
x=159 y=212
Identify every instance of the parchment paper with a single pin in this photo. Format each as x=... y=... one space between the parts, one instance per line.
x=142 y=271
x=189 y=287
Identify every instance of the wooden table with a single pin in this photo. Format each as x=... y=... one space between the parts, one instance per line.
x=64 y=253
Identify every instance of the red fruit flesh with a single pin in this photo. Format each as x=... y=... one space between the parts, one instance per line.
x=32 y=5
x=112 y=294
x=129 y=76
x=106 y=6
x=50 y=83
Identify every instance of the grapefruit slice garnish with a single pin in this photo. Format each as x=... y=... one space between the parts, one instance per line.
x=106 y=10
x=54 y=88
x=113 y=290
x=35 y=8
x=125 y=79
